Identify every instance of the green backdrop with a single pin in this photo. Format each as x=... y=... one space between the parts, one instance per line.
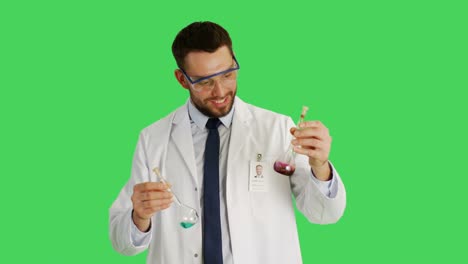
x=80 y=79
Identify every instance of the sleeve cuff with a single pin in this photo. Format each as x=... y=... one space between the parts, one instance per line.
x=327 y=188
x=138 y=238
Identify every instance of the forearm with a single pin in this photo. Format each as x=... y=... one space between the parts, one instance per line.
x=318 y=206
x=121 y=224
x=121 y=235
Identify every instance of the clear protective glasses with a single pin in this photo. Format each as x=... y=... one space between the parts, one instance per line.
x=207 y=83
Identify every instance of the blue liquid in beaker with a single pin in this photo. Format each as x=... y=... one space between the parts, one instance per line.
x=186 y=224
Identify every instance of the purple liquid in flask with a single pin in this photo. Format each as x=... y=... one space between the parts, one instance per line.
x=284 y=168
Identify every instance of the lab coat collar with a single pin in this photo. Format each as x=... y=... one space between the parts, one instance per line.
x=242 y=114
x=200 y=119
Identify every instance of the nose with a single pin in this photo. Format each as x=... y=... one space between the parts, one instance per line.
x=219 y=90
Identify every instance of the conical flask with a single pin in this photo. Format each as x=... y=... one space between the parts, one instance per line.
x=285 y=164
x=186 y=215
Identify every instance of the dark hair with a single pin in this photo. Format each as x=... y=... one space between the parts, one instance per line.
x=199 y=36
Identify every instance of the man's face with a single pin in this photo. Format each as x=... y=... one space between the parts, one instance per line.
x=218 y=101
x=259 y=170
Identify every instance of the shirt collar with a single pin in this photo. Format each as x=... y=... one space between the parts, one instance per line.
x=200 y=119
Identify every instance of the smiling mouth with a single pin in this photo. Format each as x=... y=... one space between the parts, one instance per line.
x=219 y=101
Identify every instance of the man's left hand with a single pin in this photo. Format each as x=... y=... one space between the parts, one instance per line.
x=313 y=140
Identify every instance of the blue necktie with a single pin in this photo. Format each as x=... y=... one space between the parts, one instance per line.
x=212 y=245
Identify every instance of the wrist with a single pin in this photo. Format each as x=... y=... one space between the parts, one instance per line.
x=322 y=171
x=143 y=224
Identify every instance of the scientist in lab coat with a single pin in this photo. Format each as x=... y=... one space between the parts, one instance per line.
x=257 y=220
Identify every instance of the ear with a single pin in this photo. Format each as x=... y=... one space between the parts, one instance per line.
x=181 y=79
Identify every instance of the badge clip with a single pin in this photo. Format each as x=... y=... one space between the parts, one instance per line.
x=259 y=157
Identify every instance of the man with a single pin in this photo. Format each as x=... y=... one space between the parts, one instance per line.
x=205 y=150
x=259 y=169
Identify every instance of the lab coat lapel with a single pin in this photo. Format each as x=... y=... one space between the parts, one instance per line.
x=240 y=130
x=182 y=137
x=237 y=196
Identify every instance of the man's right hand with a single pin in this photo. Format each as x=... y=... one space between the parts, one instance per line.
x=149 y=198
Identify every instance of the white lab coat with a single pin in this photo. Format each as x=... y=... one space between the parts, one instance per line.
x=262 y=225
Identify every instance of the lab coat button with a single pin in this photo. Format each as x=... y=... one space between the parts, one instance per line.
x=196 y=255
x=196 y=189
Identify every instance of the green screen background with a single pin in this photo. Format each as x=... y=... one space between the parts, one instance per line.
x=80 y=79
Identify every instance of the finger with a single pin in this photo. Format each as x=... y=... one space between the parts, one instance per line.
x=311 y=153
x=154 y=203
x=312 y=143
x=292 y=130
x=313 y=123
x=159 y=208
x=150 y=207
x=153 y=195
x=138 y=197
x=151 y=211
x=146 y=209
x=307 y=124
x=149 y=186
x=311 y=132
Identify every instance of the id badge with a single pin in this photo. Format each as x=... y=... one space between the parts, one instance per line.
x=259 y=176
